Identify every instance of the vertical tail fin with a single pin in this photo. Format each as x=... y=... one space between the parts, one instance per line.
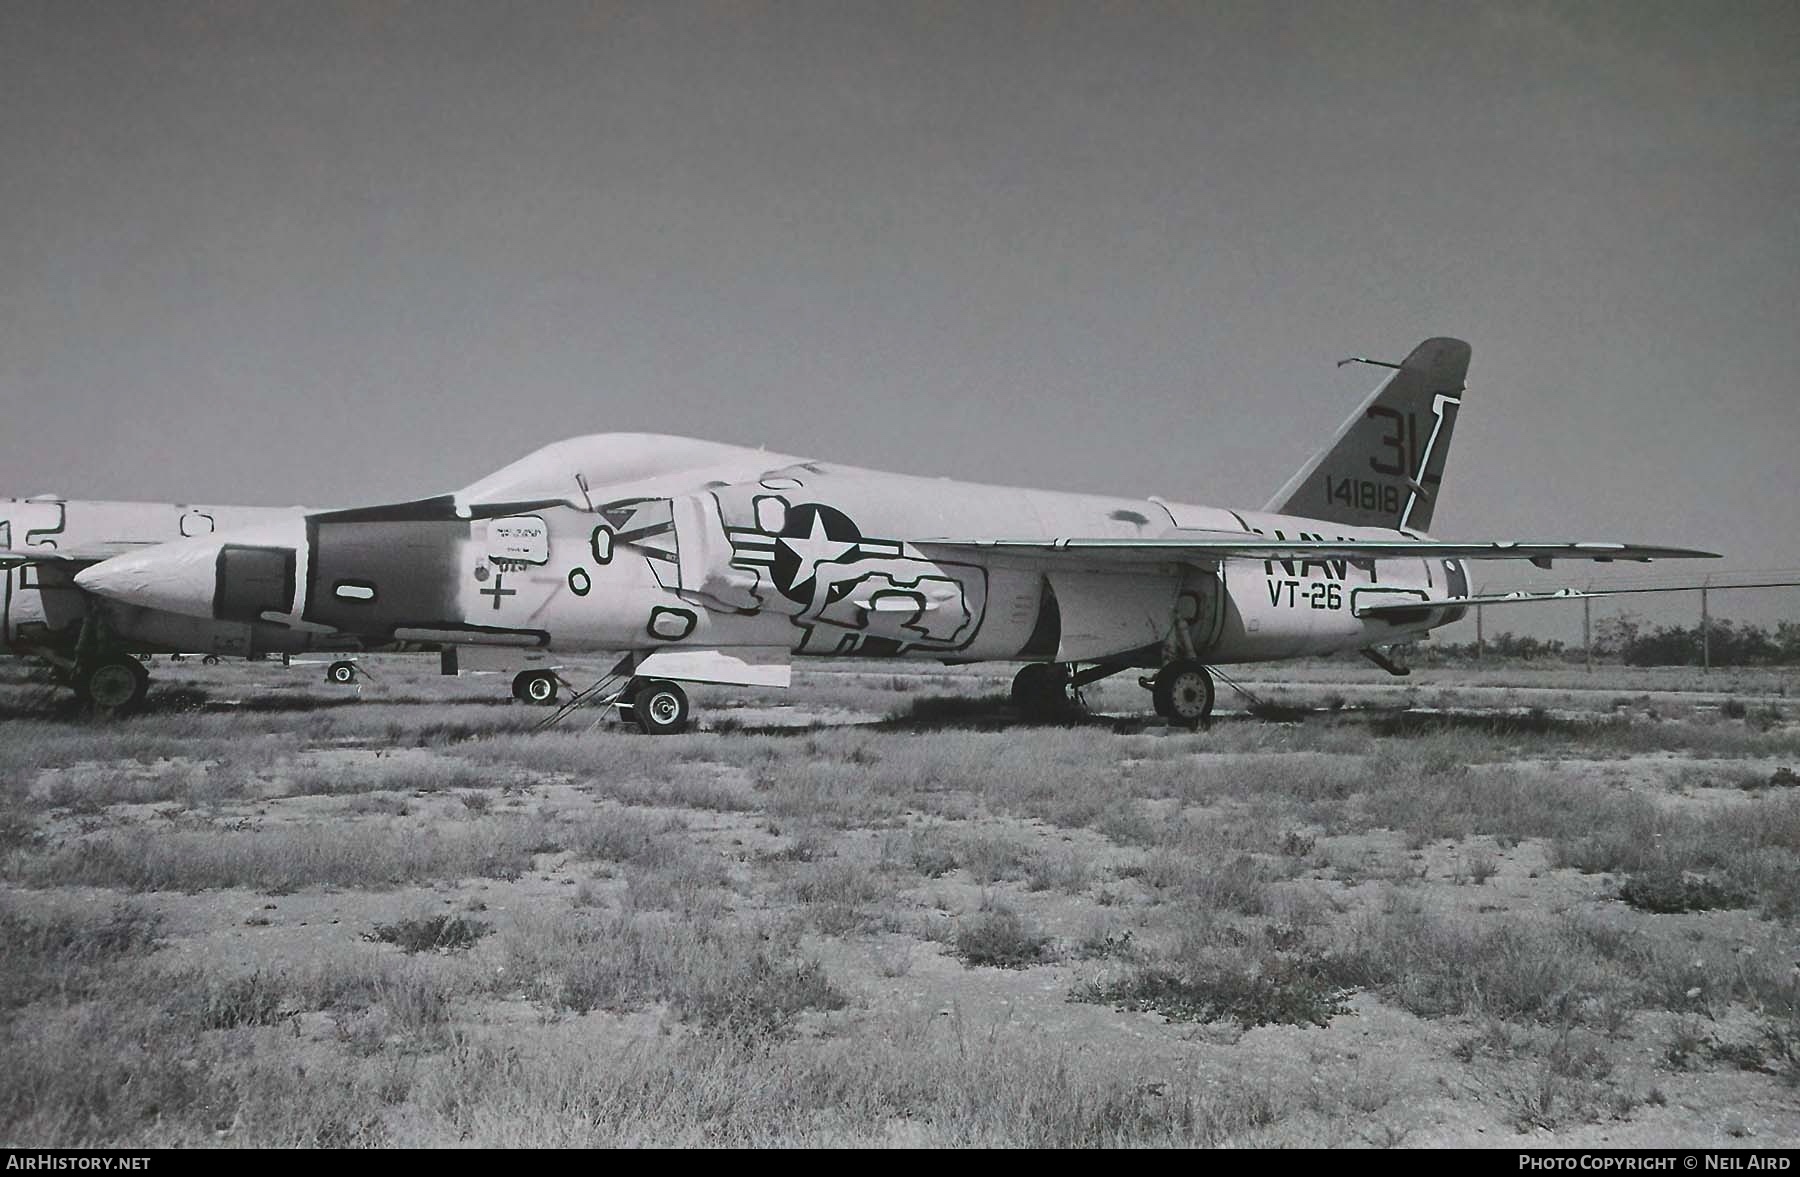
x=1384 y=466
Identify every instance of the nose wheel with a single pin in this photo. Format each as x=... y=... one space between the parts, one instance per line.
x=341 y=673
x=1183 y=693
x=117 y=683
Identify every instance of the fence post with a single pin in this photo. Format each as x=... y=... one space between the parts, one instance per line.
x=1587 y=632
x=1478 y=644
x=1705 y=635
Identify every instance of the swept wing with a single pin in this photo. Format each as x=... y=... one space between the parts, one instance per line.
x=1175 y=549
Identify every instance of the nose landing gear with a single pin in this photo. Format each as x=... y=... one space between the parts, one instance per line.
x=115 y=683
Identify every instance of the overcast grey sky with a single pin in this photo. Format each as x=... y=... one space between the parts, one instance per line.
x=322 y=253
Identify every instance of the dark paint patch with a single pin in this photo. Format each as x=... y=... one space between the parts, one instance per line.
x=1046 y=635
x=439 y=508
x=250 y=581
x=417 y=561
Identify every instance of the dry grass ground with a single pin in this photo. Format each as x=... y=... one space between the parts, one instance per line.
x=1515 y=907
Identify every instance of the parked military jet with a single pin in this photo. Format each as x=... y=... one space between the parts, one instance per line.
x=43 y=613
x=702 y=562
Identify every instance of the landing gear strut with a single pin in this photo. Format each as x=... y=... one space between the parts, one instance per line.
x=1183 y=692
x=104 y=676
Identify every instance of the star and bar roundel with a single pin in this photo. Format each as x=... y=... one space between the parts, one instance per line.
x=812 y=534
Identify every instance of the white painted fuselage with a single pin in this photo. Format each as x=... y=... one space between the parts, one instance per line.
x=640 y=543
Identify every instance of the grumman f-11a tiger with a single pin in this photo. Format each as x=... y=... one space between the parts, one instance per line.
x=697 y=562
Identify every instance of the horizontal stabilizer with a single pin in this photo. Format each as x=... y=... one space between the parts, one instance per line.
x=1564 y=594
x=1413 y=606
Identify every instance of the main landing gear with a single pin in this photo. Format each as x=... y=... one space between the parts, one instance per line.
x=1182 y=691
x=342 y=673
x=535 y=686
x=1044 y=690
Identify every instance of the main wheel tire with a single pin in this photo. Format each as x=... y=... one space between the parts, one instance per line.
x=1184 y=693
x=535 y=686
x=341 y=673
x=660 y=708
x=210 y=660
x=115 y=684
x=1041 y=688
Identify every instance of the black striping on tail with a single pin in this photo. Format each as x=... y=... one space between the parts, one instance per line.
x=1385 y=465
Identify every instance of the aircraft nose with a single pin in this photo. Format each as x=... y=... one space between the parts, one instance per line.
x=176 y=577
x=202 y=577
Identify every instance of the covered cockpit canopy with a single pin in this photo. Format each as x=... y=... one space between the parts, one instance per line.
x=650 y=464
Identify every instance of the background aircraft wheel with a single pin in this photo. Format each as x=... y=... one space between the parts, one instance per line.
x=115 y=684
x=1041 y=688
x=210 y=660
x=661 y=708
x=341 y=673
x=535 y=686
x=1184 y=693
